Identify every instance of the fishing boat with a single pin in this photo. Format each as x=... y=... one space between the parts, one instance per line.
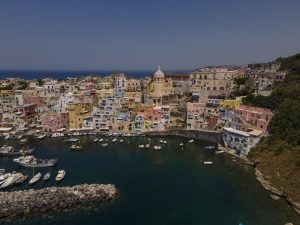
x=42 y=136
x=35 y=178
x=96 y=139
x=22 y=179
x=46 y=176
x=191 y=141
x=31 y=161
x=219 y=152
x=157 y=147
x=208 y=162
x=60 y=175
x=76 y=148
x=141 y=146
x=11 y=180
x=209 y=147
x=71 y=140
x=104 y=145
x=10 y=151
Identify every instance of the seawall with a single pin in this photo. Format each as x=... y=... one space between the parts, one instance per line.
x=20 y=204
x=211 y=136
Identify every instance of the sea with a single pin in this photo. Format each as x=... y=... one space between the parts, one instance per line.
x=63 y=74
x=171 y=186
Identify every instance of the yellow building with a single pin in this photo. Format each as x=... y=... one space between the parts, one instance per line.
x=158 y=89
x=77 y=112
x=231 y=104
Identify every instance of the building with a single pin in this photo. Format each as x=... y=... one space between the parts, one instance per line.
x=78 y=111
x=52 y=122
x=158 y=89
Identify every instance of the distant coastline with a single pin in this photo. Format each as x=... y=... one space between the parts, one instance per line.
x=63 y=74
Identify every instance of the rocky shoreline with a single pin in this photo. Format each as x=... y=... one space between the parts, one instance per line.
x=20 y=204
x=275 y=191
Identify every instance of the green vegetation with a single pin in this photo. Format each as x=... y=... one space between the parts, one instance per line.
x=279 y=153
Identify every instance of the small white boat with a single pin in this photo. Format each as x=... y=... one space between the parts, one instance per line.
x=100 y=140
x=161 y=141
x=219 y=152
x=209 y=147
x=147 y=146
x=9 y=181
x=96 y=139
x=76 y=147
x=165 y=142
x=141 y=146
x=157 y=147
x=104 y=145
x=114 y=140
x=46 y=176
x=121 y=141
x=35 y=178
x=23 y=141
x=60 y=175
x=191 y=141
x=41 y=136
x=208 y=162
x=181 y=144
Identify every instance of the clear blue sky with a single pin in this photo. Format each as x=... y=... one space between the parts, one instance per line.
x=141 y=34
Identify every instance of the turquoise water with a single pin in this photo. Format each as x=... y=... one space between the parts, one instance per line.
x=171 y=186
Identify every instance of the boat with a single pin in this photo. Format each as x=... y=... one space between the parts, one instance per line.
x=181 y=144
x=11 y=180
x=76 y=147
x=2 y=171
x=208 y=162
x=191 y=141
x=161 y=141
x=22 y=179
x=71 y=140
x=23 y=141
x=157 y=147
x=10 y=151
x=35 y=178
x=41 y=136
x=141 y=146
x=100 y=140
x=219 y=152
x=46 y=176
x=209 y=147
x=104 y=145
x=96 y=139
x=4 y=176
x=114 y=140
x=60 y=175
x=31 y=161
x=121 y=141
x=147 y=146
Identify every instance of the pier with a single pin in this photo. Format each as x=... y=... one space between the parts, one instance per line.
x=20 y=204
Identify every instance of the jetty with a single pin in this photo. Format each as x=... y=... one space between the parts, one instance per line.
x=22 y=204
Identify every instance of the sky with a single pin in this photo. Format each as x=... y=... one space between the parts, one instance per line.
x=142 y=34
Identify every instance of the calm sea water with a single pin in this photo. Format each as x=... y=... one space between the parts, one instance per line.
x=171 y=186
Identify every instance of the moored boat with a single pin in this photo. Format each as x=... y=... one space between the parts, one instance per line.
x=76 y=148
x=22 y=179
x=10 y=151
x=31 y=161
x=71 y=140
x=191 y=141
x=208 y=162
x=141 y=146
x=46 y=176
x=104 y=145
x=60 y=175
x=9 y=181
x=157 y=147
x=42 y=136
x=219 y=152
x=35 y=178
x=209 y=147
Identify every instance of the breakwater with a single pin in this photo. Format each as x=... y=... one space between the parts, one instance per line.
x=205 y=135
x=19 y=204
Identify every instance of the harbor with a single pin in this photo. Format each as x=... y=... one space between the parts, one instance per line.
x=183 y=171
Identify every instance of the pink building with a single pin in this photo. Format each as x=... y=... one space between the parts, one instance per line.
x=53 y=122
x=249 y=117
x=27 y=110
x=34 y=99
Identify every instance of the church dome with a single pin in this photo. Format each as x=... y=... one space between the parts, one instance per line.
x=159 y=73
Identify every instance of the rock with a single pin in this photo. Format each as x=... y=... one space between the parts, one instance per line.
x=17 y=204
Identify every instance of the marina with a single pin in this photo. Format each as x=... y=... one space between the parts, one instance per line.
x=166 y=169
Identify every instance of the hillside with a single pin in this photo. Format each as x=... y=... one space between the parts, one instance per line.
x=278 y=155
